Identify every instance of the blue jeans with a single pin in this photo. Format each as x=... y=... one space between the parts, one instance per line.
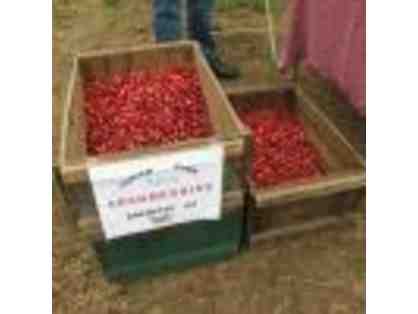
x=167 y=21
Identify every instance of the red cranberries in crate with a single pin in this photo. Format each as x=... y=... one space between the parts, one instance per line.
x=136 y=109
x=281 y=151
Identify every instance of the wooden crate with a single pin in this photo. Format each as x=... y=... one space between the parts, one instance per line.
x=74 y=161
x=308 y=203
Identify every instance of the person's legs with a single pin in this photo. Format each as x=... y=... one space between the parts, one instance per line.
x=166 y=20
x=199 y=18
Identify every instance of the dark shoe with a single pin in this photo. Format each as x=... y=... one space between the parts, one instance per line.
x=222 y=69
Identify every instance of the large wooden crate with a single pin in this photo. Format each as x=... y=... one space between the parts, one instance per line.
x=170 y=248
x=74 y=161
x=309 y=203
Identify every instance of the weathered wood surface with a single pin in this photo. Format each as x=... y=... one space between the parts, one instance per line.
x=105 y=62
x=74 y=161
x=303 y=204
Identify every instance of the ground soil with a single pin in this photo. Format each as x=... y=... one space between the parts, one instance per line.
x=320 y=272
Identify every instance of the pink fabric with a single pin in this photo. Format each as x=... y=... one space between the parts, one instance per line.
x=329 y=36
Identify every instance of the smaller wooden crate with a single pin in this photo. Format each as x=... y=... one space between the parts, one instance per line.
x=74 y=161
x=309 y=203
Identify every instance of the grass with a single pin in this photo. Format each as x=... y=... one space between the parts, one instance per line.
x=258 y=5
x=232 y=4
x=111 y=3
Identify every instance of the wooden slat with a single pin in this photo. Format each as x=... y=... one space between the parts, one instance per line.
x=73 y=141
x=151 y=151
x=330 y=162
x=308 y=209
x=303 y=189
x=68 y=214
x=236 y=135
x=78 y=173
x=209 y=90
x=96 y=66
x=243 y=91
x=133 y=49
x=329 y=132
x=308 y=226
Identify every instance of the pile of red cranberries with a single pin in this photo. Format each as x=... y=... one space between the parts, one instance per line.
x=282 y=152
x=146 y=108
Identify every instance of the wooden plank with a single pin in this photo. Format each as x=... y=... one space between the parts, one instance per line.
x=242 y=91
x=329 y=132
x=230 y=125
x=151 y=151
x=73 y=133
x=68 y=214
x=184 y=44
x=93 y=66
x=209 y=91
x=119 y=63
x=336 y=107
x=302 y=189
x=235 y=134
x=78 y=173
x=303 y=210
x=308 y=226
x=330 y=162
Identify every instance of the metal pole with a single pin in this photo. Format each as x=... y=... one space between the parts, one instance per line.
x=273 y=47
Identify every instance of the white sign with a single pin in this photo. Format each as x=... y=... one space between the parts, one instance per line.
x=159 y=191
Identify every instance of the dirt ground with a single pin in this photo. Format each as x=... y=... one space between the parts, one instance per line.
x=321 y=272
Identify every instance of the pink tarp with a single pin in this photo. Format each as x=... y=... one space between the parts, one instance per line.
x=330 y=37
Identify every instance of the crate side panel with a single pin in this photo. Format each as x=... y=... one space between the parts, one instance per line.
x=161 y=57
x=299 y=212
x=329 y=133
x=75 y=145
x=336 y=107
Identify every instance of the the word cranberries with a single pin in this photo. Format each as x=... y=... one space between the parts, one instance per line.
x=136 y=109
x=281 y=150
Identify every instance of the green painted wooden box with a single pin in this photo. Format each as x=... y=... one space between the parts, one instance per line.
x=173 y=249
